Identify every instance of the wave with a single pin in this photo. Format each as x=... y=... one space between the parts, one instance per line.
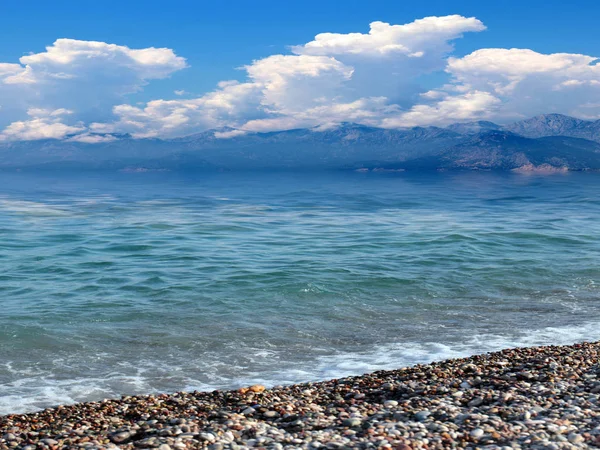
x=34 y=391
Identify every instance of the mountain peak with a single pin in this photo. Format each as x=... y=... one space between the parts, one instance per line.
x=551 y=116
x=554 y=119
x=553 y=124
x=342 y=126
x=473 y=127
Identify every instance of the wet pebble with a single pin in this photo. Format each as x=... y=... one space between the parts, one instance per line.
x=529 y=398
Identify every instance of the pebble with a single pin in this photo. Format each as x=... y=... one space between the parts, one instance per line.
x=528 y=398
x=575 y=438
x=475 y=402
x=422 y=415
x=477 y=433
x=353 y=422
x=120 y=437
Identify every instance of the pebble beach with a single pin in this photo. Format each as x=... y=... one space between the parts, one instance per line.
x=538 y=398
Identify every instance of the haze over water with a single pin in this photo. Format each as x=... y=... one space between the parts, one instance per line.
x=118 y=284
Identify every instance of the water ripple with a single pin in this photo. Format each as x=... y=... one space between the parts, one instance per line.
x=162 y=283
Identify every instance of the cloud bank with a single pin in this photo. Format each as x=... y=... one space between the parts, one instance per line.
x=78 y=90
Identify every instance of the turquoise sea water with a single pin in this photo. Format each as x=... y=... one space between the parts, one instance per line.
x=117 y=284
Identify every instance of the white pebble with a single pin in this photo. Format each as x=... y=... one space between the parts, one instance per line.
x=477 y=433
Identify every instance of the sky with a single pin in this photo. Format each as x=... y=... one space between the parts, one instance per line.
x=89 y=71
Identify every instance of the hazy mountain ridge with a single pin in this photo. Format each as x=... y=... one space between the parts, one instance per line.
x=500 y=150
x=550 y=140
x=556 y=125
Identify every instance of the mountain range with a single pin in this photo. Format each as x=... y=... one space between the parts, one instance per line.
x=546 y=143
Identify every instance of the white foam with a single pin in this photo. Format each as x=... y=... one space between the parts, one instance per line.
x=34 y=391
x=403 y=354
x=32 y=208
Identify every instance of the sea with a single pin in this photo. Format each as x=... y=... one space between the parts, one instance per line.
x=135 y=283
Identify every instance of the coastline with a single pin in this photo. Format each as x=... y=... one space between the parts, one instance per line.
x=537 y=397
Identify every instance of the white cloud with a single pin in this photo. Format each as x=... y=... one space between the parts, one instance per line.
x=232 y=103
x=7 y=70
x=88 y=138
x=474 y=105
x=374 y=78
x=335 y=78
x=41 y=112
x=287 y=85
x=368 y=111
x=576 y=83
x=413 y=40
x=293 y=82
x=514 y=64
x=229 y=134
x=389 y=60
x=43 y=124
x=68 y=59
x=527 y=82
x=84 y=76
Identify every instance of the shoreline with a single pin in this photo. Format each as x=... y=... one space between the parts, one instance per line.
x=530 y=397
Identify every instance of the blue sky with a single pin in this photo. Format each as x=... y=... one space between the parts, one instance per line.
x=218 y=38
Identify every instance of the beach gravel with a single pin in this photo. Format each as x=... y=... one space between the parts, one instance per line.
x=534 y=398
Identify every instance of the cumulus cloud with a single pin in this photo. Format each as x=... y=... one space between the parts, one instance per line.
x=7 y=70
x=368 y=111
x=290 y=82
x=41 y=112
x=88 y=138
x=527 y=82
x=508 y=84
x=474 y=105
x=335 y=78
x=285 y=86
x=69 y=59
x=413 y=40
x=42 y=124
x=389 y=60
x=229 y=134
x=77 y=89
x=514 y=64
x=231 y=103
x=84 y=76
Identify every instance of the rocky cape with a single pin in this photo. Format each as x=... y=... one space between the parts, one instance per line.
x=547 y=144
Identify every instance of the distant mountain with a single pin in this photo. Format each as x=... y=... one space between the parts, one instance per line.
x=502 y=150
x=549 y=142
x=556 y=125
x=307 y=148
x=474 y=127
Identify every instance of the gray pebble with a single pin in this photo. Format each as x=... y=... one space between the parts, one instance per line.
x=353 y=422
x=422 y=415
